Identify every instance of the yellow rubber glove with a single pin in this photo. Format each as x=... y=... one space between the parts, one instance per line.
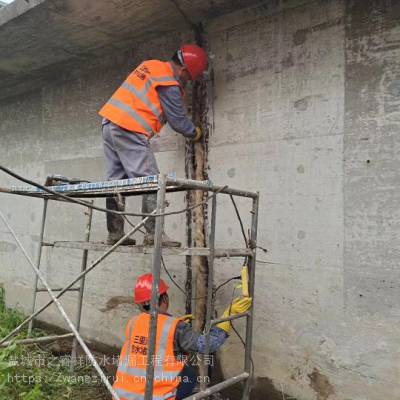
x=186 y=318
x=199 y=134
x=238 y=306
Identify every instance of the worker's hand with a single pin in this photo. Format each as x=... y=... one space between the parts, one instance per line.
x=238 y=306
x=199 y=134
x=186 y=318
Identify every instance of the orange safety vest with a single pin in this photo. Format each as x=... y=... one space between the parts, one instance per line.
x=130 y=380
x=135 y=105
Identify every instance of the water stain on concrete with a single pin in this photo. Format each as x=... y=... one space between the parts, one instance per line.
x=229 y=57
x=265 y=389
x=115 y=301
x=321 y=385
x=231 y=172
x=300 y=169
x=300 y=36
x=232 y=75
x=302 y=104
x=301 y=235
x=288 y=62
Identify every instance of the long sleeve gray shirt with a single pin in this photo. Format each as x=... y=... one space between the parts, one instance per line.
x=174 y=110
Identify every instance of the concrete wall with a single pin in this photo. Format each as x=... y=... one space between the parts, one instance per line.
x=306 y=110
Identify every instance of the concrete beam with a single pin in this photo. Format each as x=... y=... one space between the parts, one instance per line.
x=37 y=34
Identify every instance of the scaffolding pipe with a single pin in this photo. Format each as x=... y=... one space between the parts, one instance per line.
x=38 y=259
x=210 y=283
x=191 y=184
x=252 y=276
x=58 y=290
x=62 y=312
x=156 y=272
x=81 y=286
x=43 y=339
x=219 y=386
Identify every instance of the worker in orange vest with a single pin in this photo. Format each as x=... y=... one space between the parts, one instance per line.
x=174 y=379
x=150 y=96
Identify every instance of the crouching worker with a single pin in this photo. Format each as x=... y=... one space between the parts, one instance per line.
x=173 y=379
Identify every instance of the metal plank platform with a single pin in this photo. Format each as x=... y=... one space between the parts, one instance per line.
x=126 y=187
x=167 y=251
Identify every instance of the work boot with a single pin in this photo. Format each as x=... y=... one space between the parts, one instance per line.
x=148 y=240
x=149 y=204
x=111 y=239
x=115 y=222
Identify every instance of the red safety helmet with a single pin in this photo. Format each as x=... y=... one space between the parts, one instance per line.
x=142 y=292
x=195 y=59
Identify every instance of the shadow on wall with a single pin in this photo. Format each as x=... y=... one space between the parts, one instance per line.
x=263 y=389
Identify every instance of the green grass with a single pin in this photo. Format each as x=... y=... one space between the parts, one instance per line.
x=34 y=373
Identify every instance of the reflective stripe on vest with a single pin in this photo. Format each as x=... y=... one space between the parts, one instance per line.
x=123 y=394
x=135 y=105
x=142 y=96
x=132 y=113
x=159 y=373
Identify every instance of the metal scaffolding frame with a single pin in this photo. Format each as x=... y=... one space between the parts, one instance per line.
x=161 y=185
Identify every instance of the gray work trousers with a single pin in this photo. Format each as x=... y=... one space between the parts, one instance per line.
x=127 y=155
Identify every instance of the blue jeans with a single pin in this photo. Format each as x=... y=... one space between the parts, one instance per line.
x=189 y=380
x=128 y=155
